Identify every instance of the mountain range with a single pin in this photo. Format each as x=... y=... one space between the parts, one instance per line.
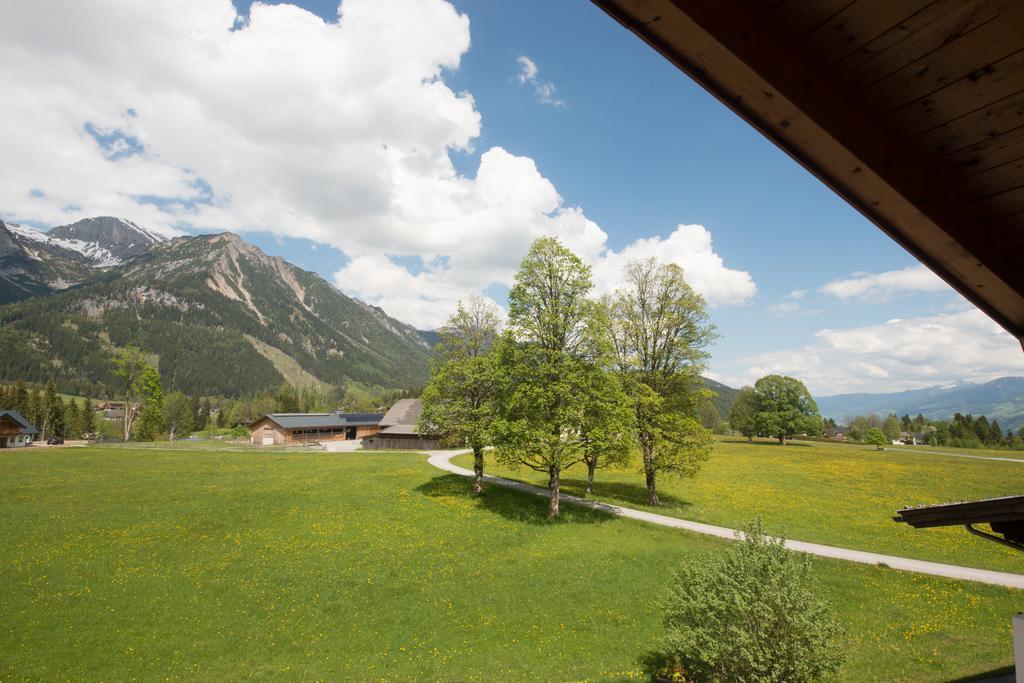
x=218 y=315
x=1001 y=399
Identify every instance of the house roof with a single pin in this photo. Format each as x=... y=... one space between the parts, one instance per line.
x=317 y=420
x=911 y=111
x=406 y=412
x=26 y=427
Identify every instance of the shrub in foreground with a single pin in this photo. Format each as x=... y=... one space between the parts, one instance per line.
x=752 y=615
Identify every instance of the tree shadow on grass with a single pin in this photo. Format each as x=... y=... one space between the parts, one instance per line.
x=1003 y=673
x=517 y=506
x=623 y=492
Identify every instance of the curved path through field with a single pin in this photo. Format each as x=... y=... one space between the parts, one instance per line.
x=442 y=461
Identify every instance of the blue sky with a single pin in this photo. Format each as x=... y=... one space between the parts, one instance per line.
x=618 y=133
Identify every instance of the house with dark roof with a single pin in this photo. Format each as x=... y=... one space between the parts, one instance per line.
x=15 y=430
x=399 y=429
x=299 y=428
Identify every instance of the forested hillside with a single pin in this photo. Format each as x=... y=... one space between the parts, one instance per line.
x=218 y=316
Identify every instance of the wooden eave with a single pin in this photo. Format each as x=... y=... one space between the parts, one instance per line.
x=911 y=110
x=989 y=511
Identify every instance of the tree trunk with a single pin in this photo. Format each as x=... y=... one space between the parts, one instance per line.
x=782 y=439
x=591 y=466
x=750 y=438
x=478 y=470
x=652 y=490
x=554 y=487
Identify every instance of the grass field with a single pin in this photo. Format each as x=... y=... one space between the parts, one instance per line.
x=834 y=494
x=121 y=564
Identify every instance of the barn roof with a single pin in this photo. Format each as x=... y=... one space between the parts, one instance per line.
x=319 y=420
x=406 y=411
x=911 y=110
x=26 y=427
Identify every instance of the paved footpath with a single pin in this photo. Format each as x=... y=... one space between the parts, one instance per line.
x=442 y=461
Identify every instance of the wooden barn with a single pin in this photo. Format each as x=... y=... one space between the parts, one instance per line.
x=399 y=430
x=15 y=430
x=278 y=429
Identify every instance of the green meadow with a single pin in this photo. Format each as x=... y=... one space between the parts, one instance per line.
x=842 y=495
x=120 y=563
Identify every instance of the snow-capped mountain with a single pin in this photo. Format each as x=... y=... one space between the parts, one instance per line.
x=107 y=240
x=33 y=262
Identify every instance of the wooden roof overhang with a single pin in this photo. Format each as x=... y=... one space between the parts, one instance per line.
x=1004 y=515
x=911 y=110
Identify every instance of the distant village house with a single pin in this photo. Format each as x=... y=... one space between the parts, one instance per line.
x=282 y=429
x=395 y=430
x=15 y=430
x=399 y=430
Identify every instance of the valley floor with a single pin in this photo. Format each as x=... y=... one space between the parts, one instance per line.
x=839 y=495
x=118 y=563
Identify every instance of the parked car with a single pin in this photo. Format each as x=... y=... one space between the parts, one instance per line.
x=54 y=441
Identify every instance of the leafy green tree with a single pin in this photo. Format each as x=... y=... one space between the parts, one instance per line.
x=785 y=408
x=753 y=614
x=891 y=427
x=458 y=401
x=660 y=330
x=129 y=364
x=151 y=421
x=608 y=424
x=743 y=418
x=177 y=414
x=877 y=437
x=545 y=366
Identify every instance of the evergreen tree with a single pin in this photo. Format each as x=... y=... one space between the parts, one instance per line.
x=72 y=420
x=87 y=420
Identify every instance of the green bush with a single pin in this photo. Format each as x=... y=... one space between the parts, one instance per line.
x=751 y=615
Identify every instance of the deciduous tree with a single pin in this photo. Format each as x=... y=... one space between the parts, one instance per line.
x=151 y=413
x=661 y=331
x=129 y=364
x=743 y=418
x=458 y=402
x=177 y=413
x=785 y=408
x=545 y=365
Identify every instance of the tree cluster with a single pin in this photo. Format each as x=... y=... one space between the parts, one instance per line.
x=963 y=431
x=574 y=379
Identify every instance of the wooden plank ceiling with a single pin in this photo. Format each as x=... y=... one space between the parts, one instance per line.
x=912 y=110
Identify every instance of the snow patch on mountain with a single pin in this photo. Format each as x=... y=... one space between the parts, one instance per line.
x=98 y=256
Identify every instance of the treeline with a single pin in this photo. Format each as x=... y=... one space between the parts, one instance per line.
x=156 y=416
x=963 y=431
x=49 y=412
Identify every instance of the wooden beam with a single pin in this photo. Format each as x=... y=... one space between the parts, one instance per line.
x=727 y=51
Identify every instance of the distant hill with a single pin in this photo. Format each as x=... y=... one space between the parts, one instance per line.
x=219 y=316
x=1002 y=399
x=724 y=396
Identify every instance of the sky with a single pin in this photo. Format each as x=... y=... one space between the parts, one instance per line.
x=410 y=150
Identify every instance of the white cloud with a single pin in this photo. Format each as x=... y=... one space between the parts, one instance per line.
x=881 y=287
x=689 y=246
x=792 y=305
x=897 y=355
x=173 y=113
x=544 y=91
x=527 y=70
